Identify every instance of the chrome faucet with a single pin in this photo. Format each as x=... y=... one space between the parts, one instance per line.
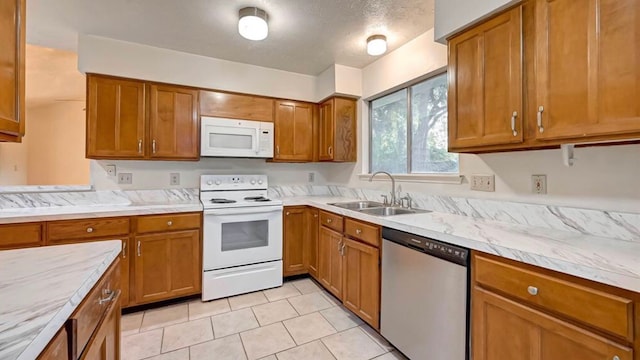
x=393 y=185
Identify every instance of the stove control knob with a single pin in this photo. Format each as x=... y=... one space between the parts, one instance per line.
x=209 y=182
x=218 y=182
x=253 y=182
x=260 y=182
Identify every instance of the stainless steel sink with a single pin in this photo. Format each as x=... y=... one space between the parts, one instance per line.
x=390 y=211
x=358 y=205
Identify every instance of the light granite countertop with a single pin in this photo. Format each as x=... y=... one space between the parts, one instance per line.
x=605 y=260
x=41 y=287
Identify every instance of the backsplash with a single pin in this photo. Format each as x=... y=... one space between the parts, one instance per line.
x=617 y=225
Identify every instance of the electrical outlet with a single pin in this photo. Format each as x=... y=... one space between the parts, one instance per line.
x=483 y=183
x=125 y=178
x=312 y=177
x=111 y=170
x=174 y=179
x=539 y=184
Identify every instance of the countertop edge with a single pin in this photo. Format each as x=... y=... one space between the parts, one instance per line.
x=40 y=342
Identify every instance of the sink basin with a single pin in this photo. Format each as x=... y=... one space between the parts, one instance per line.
x=390 y=211
x=358 y=205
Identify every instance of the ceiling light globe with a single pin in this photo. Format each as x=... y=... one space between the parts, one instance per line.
x=253 y=24
x=376 y=45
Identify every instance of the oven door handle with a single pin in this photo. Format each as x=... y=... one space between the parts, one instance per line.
x=244 y=211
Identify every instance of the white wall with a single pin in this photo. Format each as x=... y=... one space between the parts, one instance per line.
x=155 y=174
x=454 y=15
x=119 y=58
x=603 y=177
x=13 y=162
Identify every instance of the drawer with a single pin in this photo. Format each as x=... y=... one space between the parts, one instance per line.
x=62 y=231
x=20 y=235
x=366 y=232
x=84 y=321
x=169 y=222
x=332 y=221
x=602 y=310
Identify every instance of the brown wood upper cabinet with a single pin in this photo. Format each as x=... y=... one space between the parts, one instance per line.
x=588 y=68
x=115 y=118
x=236 y=106
x=174 y=126
x=12 y=77
x=128 y=119
x=569 y=69
x=294 y=131
x=337 y=138
x=485 y=91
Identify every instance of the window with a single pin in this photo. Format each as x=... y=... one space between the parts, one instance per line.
x=408 y=130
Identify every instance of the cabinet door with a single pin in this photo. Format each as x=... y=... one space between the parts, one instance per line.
x=105 y=342
x=326 y=131
x=174 y=122
x=330 y=261
x=345 y=131
x=485 y=83
x=12 y=55
x=362 y=281
x=294 y=233
x=531 y=334
x=167 y=265
x=115 y=118
x=588 y=68
x=294 y=131
x=312 y=224
x=236 y=106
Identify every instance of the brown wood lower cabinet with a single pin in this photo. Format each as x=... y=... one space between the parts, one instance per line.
x=294 y=219
x=361 y=292
x=312 y=227
x=167 y=265
x=330 y=261
x=105 y=342
x=521 y=311
x=505 y=329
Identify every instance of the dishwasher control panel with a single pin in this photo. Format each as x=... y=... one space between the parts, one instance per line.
x=452 y=253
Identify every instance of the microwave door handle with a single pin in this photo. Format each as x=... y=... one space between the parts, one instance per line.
x=257 y=142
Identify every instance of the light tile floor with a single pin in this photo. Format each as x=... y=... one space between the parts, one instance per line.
x=299 y=320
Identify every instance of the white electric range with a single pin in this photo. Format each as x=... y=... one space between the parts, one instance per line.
x=242 y=236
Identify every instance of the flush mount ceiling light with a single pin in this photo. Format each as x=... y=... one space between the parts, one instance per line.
x=253 y=23
x=376 y=45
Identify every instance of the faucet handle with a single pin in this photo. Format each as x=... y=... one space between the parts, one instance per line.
x=386 y=199
x=409 y=201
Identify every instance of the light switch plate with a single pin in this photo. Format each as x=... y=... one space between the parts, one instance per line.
x=483 y=183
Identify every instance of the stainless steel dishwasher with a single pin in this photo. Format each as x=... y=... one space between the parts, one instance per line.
x=425 y=302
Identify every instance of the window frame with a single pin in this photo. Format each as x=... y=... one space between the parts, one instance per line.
x=453 y=176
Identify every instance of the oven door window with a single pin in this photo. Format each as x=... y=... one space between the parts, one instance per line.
x=245 y=235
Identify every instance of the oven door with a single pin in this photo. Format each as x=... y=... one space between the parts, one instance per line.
x=241 y=236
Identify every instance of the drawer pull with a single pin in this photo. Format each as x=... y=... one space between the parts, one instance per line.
x=89 y=229
x=532 y=290
x=358 y=231
x=329 y=221
x=615 y=357
x=169 y=223
x=109 y=295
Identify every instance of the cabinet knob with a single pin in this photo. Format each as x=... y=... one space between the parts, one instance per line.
x=532 y=290
x=288 y=213
x=358 y=231
x=89 y=229
x=169 y=223
x=329 y=221
x=315 y=215
x=615 y=357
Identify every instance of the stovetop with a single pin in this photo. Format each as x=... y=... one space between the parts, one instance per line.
x=231 y=191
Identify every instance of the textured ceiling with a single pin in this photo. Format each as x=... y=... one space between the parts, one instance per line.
x=305 y=36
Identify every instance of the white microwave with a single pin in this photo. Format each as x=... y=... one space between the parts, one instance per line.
x=236 y=138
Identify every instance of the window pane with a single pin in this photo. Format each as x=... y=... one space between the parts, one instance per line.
x=389 y=133
x=429 y=128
